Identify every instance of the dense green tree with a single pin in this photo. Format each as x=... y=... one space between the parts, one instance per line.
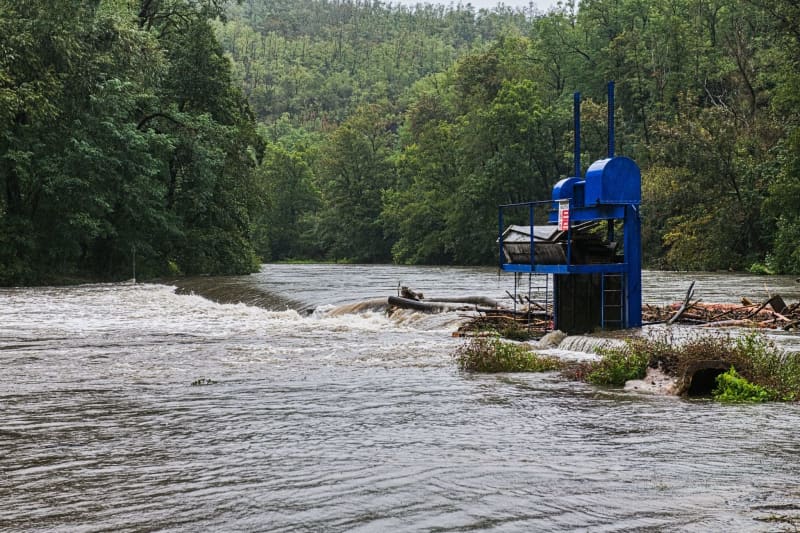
x=783 y=206
x=415 y=211
x=705 y=104
x=292 y=199
x=319 y=61
x=71 y=150
x=215 y=151
x=122 y=135
x=355 y=169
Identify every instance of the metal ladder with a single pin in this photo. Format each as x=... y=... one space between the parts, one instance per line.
x=612 y=304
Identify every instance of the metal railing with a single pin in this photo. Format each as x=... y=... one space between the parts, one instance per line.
x=531 y=206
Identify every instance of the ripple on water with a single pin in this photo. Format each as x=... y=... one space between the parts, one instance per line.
x=350 y=423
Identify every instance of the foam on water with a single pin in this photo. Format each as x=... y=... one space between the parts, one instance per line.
x=356 y=421
x=588 y=344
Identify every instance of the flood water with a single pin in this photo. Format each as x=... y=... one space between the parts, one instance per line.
x=318 y=420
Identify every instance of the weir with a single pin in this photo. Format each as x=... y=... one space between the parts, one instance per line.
x=575 y=238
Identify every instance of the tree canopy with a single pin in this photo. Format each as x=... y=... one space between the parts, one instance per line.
x=706 y=104
x=204 y=136
x=123 y=136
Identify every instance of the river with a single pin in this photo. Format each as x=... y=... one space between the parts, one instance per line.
x=314 y=420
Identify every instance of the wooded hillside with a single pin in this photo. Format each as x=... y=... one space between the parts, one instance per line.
x=202 y=136
x=406 y=127
x=122 y=136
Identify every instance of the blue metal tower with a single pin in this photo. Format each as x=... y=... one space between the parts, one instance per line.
x=591 y=290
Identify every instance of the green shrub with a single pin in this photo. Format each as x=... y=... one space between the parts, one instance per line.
x=767 y=365
x=759 y=370
x=733 y=388
x=660 y=351
x=490 y=354
x=761 y=268
x=756 y=361
x=618 y=365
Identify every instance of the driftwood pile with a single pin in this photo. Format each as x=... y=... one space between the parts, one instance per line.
x=529 y=323
x=772 y=313
x=485 y=314
x=488 y=314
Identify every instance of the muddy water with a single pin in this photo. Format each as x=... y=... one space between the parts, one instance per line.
x=318 y=421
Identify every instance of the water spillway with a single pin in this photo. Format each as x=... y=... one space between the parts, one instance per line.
x=588 y=344
x=352 y=422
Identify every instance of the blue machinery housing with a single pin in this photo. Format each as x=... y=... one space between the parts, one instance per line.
x=590 y=291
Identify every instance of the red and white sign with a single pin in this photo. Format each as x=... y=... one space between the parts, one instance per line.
x=563 y=215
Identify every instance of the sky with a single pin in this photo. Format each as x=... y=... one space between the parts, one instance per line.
x=541 y=5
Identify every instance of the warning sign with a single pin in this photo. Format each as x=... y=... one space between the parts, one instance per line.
x=563 y=215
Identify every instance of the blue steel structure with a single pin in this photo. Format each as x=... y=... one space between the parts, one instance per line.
x=609 y=191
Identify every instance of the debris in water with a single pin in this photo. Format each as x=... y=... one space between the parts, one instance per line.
x=772 y=314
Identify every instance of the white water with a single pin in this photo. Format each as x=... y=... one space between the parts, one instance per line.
x=354 y=422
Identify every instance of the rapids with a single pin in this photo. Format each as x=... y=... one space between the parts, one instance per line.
x=318 y=420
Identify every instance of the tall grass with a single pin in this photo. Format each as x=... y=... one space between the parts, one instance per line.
x=490 y=354
x=760 y=371
x=766 y=365
x=615 y=367
x=755 y=359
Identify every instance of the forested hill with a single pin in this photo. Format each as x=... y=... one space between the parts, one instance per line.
x=201 y=136
x=318 y=60
x=393 y=132
x=123 y=140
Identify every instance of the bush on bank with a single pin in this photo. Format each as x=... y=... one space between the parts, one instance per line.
x=733 y=388
x=491 y=354
x=759 y=370
x=615 y=367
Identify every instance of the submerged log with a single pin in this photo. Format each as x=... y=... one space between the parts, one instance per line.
x=428 y=307
x=477 y=300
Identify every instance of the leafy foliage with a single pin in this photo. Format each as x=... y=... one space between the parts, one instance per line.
x=490 y=354
x=122 y=136
x=759 y=370
x=766 y=365
x=481 y=111
x=733 y=388
x=618 y=366
x=355 y=170
x=386 y=132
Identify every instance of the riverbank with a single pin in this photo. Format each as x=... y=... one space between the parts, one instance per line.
x=728 y=367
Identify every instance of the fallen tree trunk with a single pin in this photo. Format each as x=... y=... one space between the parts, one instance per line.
x=728 y=312
x=759 y=308
x=510 y=312
x=428 y=307
x=778 y=315
x=477 y=300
